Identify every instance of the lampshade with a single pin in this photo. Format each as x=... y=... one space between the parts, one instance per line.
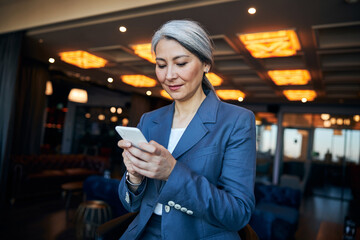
x=271 y=44
x=82 y=59
x=78 y=95
x=49 y=88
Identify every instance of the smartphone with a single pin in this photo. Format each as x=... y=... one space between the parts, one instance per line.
x=131 y=134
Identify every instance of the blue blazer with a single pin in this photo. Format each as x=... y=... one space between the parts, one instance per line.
x=209 y=194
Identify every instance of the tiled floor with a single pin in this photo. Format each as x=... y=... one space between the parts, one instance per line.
x=44 y=218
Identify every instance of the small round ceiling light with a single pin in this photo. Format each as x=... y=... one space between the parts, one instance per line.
x=148 y=93
x=304 y=100
x=240 y=99
x=110 y=80
x=113 y=109
x=119 y=110
x=122 y=29
x=101 y=117
x=51 y=60
x=252 y=10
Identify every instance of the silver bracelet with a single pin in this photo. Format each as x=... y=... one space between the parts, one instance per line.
x=132 y=184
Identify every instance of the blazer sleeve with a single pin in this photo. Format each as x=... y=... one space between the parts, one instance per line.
x=230 y=203
x=130 y=200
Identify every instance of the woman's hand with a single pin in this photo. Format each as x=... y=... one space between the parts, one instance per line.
x=134 y=177
x=153 y=161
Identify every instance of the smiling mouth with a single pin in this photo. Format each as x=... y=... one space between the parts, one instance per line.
x=174 y=87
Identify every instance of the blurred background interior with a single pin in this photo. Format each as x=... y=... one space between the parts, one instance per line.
x=73 y=70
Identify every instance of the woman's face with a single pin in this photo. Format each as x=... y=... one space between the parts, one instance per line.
x=179 y=71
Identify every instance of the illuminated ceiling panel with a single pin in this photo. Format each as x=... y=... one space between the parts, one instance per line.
x=139 y=80
x=290 y=77
x=298 y=95
x=271 y=44
x=82 y=59
x=230 y=94
x=214 y=79
x=165 y=94
x=144 y=51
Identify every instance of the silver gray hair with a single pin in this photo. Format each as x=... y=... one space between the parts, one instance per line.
x=192 y=36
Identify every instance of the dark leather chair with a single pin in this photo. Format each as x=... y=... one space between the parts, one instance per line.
x=113 y=229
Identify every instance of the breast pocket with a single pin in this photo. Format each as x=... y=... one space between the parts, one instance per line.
x=205 y=161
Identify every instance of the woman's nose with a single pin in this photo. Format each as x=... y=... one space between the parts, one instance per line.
x=170 y=73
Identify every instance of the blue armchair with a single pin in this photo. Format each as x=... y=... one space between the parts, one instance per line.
x=105 y=189
x=276 y=213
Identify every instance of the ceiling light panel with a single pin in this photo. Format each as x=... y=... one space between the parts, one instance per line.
x=298 y=95
x=230 y=94
x=144 y=51
x=82 y=59
x=214 y=79
x=281 y=43
x=164 y=94
x=290 y=77
x=139 y=80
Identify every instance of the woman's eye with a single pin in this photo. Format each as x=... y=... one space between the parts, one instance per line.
x=161 y=66
x=181 y=64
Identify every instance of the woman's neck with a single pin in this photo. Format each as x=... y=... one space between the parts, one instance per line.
x=185 y=110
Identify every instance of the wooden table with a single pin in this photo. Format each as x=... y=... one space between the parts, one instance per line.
x=330 y=231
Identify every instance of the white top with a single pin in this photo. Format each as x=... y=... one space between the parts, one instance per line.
x=175 y=136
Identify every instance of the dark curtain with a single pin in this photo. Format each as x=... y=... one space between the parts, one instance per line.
x=30 y=106
x=10 y=46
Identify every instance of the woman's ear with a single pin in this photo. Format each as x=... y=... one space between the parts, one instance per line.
x=206 y=68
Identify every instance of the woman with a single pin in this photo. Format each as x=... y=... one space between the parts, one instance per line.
x=195 y=178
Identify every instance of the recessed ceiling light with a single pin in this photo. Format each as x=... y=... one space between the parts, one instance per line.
x=113 y=109
x=122 y=29
x=101 y=117
x=304 y=100
x=110 y=80
x=252 y=10
x=119 y=110
x=51 y=60
x=148 y=93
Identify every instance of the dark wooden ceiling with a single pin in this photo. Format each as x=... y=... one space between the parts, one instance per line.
x=328 y=31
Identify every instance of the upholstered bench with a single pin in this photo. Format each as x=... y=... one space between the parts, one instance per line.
x=39 y=174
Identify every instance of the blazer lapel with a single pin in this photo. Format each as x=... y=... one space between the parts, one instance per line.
x=196 y=130
x=160 y=131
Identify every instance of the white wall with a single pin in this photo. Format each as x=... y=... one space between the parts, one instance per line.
x=25 y=14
